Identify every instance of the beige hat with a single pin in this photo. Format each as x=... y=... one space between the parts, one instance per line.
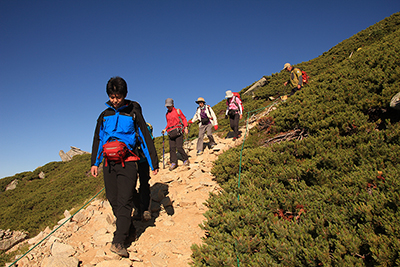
x=200 y=99
x=228 y=94
x=169 y=102
x=287 y=65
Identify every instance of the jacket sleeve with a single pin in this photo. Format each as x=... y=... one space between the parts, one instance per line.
x=214 y=118
x=96 y=142
x=239 y=103
x=196 y=116
x=146 y=142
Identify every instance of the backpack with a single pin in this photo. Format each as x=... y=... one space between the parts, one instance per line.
x=241 y=103
x=305 y=77
x=150 y=128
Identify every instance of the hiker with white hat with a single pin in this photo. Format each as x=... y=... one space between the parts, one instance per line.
x=176 y=126
x=207 y=118
x=234 y=111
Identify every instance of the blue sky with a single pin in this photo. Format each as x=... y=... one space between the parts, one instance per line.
x=57 y=56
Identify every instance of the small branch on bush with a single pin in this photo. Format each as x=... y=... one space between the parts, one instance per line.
x=297 y=134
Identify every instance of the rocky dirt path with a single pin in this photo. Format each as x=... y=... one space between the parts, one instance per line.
x=178 y=199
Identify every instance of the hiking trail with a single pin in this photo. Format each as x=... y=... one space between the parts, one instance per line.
x=178 y=199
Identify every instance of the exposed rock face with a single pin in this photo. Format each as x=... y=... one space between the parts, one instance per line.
x=42 y=175
x=256 y=85
x=177 y=206
x=64 y=156
x=12 y=185
x=9 y=238
x=72 y=152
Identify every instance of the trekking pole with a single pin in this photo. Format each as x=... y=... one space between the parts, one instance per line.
x=187 y=139
x=163 y=164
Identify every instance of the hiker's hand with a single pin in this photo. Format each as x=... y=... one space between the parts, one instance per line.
x=93 y=171
x=186 y=131
x=241 y=116
x=163 y=131
x=298 y=86
x=155 y=171
x=190 y=122
x=216 y=127
x=285 y=83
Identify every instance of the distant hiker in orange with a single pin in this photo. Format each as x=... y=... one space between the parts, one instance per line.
x=234 y=111
x=176 y=126
x=295 y=79
x=207 y=118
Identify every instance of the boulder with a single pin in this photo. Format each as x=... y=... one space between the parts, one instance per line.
x=12 y=185
x=72 y=152
x=9 y=238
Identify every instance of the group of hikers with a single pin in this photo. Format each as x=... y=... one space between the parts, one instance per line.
x=124 y=140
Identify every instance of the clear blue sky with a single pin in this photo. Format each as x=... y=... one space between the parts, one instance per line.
x=57 y=56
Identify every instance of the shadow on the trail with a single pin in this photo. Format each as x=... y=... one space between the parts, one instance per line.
x=231 y=134
x=159 y=201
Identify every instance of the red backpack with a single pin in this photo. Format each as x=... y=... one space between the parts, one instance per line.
x=305 y=77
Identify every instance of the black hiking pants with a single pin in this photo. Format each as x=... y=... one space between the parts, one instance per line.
x=142 y=199
x=177 y=144
x=119 y=183
x=294 y=90
x=234 y=122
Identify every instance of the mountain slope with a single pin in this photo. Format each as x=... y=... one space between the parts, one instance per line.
x=332 y=197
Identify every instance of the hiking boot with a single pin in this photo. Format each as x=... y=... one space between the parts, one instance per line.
x=213 y=145
x=119 y=249
x=234 y=138
x=173 y=166
x=186 y=163
x=146 y=216
x=199 y=152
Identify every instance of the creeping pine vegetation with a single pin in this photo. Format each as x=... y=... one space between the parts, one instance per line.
x=330 y=198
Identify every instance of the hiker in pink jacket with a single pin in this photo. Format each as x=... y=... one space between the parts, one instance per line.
x=234 y=111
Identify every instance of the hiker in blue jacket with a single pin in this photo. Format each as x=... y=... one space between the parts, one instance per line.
x=121 y=121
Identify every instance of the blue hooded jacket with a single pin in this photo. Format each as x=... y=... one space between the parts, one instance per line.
x=127 y=125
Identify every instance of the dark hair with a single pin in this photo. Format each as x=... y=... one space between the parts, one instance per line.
x=117 y=85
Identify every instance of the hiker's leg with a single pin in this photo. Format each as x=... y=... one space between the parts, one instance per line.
x=209 y=134
x=294 y=90
x=172 y=151
x=232 y=123
x=202 y=129
x=179 y=145
x=235 y=125
x=144 y=188
x=110 y=178
x=126 y=182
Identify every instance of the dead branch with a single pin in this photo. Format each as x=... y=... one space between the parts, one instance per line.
x=297 y=134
